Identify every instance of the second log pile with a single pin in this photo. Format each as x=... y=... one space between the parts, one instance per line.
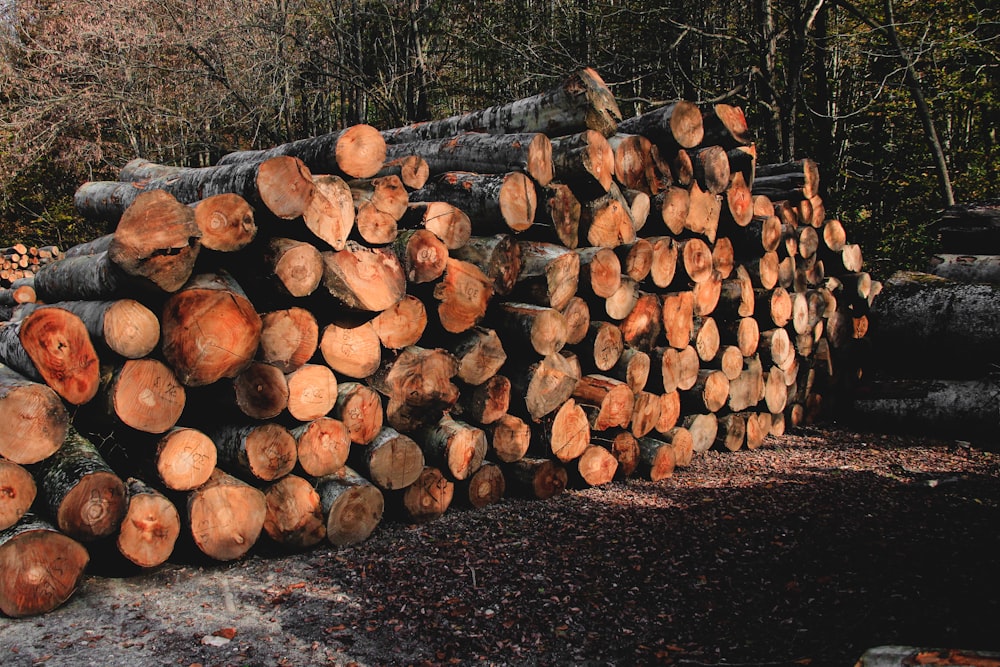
x=297 y=340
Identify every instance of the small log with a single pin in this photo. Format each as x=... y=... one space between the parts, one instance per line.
x=703 y=429
x=603 y=345
x=360 y=409
x=694 y=262
x=704 y=212
x=391 y=460
x=412 y=170
x=126 y=327
x=606 y=221
x=51 y=345
x=581 y=101
x=560 y=210
x=758 y=427
x=705 y=337
x=262 y=451
x=664 y=266
x=671 y=208
x=723 y=257
x=42 y=567
x=536 y=478
x=632 y=368
x=633 y=161
x=80 y=491
x=544 y=384
x=495 y=203
x=643 y=326
x=351 y=349
x=449 y=223
x=509 y=438
x=707 y=294
x=747 y=390
x=678 y=124
x=670 y=412
x=678 y=318
x=322 y=445
x=623 y=301
x=565 y=433
x=420 y=378
x=183 y=458
x=402 y=324
x=743 y=332
x=613 y=399
x=732 y=432
x=772 y=307
x=352 y=505
x=312 y=392
x=623 y=446
x=725 y=125
x=595 y=467
x=479 y=353
x=455 y=447
x=364 y=279
x=711 y=168
x=226 y=222
x=585 y=162
x=645 y=413
x=709 y=393
x=484 y=403
x=549 y=275
x=295 y=267
x=225 y=516
x=357 y=151
x=600 y=272
x=293 y=514
x=657 y=459
x=729 y=360
x=379 y=204
x=577 y=315
x=464 y=293
x=428 y=497
x=35 y=419
x=17 y=492
x=150 y=527
x=764 y=271
x=484 y=487
x=422 y=255
x=330 y=214
x=289 y=337
x=543 y=328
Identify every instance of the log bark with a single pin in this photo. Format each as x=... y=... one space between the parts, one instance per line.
x=485 y=403
x=35 y=419
x=42 y=567
x=581 y=101
x=293 y=514
x=495 y=203
x=585 y=162
x=391 y=461
x=263 y=451
x=83 y=278
x=17 y=492
x=657 y=459
x=549 y=275
x=536 y=478
x=289 y=337
x=225 y=516
x=483 y=153
x=124 y=326
x=79 y=490
x=412 y=170
x=209 y=329
x=51 y=345
x=364 y=279
x=322 y=446
x=428 y=497
x=356 y=152
x=150 y=527
x=966 y=268
x=732 y=432
x=484 y=487
x=352 y=505
x=673 y=125
x=542 y=328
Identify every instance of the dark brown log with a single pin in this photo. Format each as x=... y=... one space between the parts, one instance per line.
x=455 y=447
x=729 y=360
x=483 y=153
x=484 y=403
x=412 y=170
x=723 y=257
x=744 y=333
x=312 y=392
x=480 y=355
x=725 y=125
x=484 y=487
x=542 y=328
x=321 y=445
x=226 y=222
x=35 y=418
x=80 y=491
x=351 y=349
x=289 y=338
x=577 y=316
x=330 y=215
x=401 y=324
x=125 y=326
x=352 y=506
x=549 y=275
x=296 y=267
x=495 y=203
x=613 y=399
x=764 y=270
x=678 y=124
x=509 y=438
x=707 y=293
x=711 y=168
x=787 y=180
x=294 y=513
x=360 y=409
x=657 y=459
x=209 y=330
x=579 y=102
x=357 y=151
x=364 y=279
x=595 y=467
x=464 y=293
x=184 y=458
x=536 y=478
x=600 y=271
x=449 y=223
x=391 y=461
x=143 y=394
x=772 y=307
x=42 y=567
x=560 y=210
x=262 y=451
x=150 y=527
x=732 y=432
x=17 y=492
x=603 y=345
x=736 y=296
x=51 y=345
x=225 y=516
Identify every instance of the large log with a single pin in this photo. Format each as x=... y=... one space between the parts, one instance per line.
x=509 y=438
x=351 y=349
x=226 y=222
x=125 y=326
x=42 y=567
x=428 y=497
x=357 y=152
x=969 y=228
x=79 y=490
x=352 y=505
x=454 y=447
x=497 y=256
x=483 y=153
x=210 y=330
x=360 y=409
x=289 y=337
x=495 y=203
x=262 y=451
x=391 y=461
x=51 y=345
x=35 y=419
x=484 y=487
x=183 y=458
x=581 y=101
x=225 y=516
x=143 y=394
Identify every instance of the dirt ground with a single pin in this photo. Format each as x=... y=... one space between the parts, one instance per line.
x=806 y=551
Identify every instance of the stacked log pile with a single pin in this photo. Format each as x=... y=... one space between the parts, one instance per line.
x=295 y=341
x=932 y=362
x=20 y=262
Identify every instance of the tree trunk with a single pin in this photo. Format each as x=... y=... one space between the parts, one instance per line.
x=80 y=491
x=354 y=152
x=585 y=162
x=352 y=505
x=51 y=345
x=582 y=101
x=150 y=527
x=225 y=516
x=82 y=278
x=17 y=492
x=35 y=419
x=481 y=153
x=42 y=567
x=966 y=268
x=209 y=329
x=495 y=203
x=261 y=450
x=293 y=514
x=623 y=446
x=125 y=326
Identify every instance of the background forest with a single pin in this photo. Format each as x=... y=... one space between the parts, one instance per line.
x=896 y=99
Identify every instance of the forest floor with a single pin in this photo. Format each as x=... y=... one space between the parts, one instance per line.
x=806 y=551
